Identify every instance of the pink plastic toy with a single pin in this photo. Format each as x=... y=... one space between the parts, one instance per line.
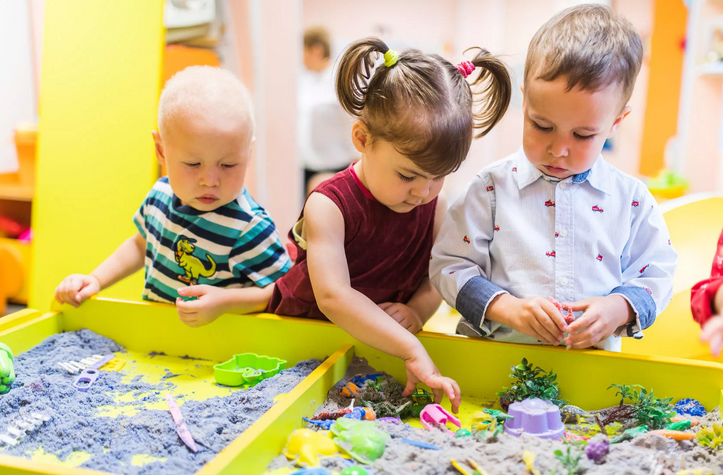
x=438 y=414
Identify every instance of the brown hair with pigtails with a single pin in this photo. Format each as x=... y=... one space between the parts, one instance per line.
x=422 y=105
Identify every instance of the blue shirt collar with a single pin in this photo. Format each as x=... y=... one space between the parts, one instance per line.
x=597 y=176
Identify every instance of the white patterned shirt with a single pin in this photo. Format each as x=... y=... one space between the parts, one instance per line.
x=519 y=231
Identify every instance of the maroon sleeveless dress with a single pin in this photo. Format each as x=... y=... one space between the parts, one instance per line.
x=387 y=252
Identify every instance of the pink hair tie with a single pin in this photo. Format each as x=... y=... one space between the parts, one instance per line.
x=466 y=68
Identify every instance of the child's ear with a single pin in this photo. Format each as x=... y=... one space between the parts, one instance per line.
x=159 y=148
x=522 y=90
x=623 y=114
x=360 y=136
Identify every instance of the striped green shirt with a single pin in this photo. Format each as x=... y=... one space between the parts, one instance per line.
x=233 y=246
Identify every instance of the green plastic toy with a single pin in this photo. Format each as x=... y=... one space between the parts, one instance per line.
x=462 y=433
x=247 y=369
x=7 y=370
x=420 y=399
x=353 y=471
x=629 y=434
x=359 y=439
x=680 y=425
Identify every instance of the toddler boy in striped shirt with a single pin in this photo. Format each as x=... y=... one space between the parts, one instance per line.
x=206 y=245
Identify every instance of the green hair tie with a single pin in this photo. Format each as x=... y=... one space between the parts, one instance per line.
x=390 y=58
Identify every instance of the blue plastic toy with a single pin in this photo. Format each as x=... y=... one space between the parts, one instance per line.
x=690 y=407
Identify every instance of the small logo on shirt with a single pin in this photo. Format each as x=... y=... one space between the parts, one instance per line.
x=557 y=234
x=597 y=209
x=599 y=257
x=497 y=228
x=649 y=291
x=490 y=188
x=550 y=254
x=643 y=269
x=669 y=242
x=514 y=169
x=549 y=203
x=192 y=266
x=466 y=239
x=635 y=204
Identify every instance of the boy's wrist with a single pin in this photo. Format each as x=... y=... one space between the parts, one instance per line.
x=626 y=313
x=97 y=280
x=498 y=309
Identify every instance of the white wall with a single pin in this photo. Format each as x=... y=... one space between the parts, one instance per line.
x=17 y=81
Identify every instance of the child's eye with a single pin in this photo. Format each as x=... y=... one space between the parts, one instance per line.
x=541 y=128
x=192 y=165
x=404 y=177
x=228 y=165
x=584 y=137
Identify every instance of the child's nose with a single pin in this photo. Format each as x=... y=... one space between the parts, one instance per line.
x=558 y=148
x=209 y=178
x=421 y=191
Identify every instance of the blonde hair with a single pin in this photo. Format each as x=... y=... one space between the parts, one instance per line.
x=205 y=90
x=591 y=45
x=422 y=105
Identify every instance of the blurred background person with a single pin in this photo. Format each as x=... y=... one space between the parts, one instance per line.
x=324 y=143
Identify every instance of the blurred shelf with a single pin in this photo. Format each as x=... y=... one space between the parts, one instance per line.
x=711 y=69
x=16 y=192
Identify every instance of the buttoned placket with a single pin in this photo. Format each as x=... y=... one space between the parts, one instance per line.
x=564 y=243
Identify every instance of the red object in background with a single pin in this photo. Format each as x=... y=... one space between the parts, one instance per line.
x=11 y=227
x=291 y=249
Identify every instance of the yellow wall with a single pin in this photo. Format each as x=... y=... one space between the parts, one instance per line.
x=666 y=66
x=99 y=90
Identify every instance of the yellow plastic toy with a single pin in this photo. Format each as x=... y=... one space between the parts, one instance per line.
x=529 y=459
x=306 y=446
x=483 y=421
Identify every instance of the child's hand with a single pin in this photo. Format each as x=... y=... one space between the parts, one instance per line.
x=601 y=317
x=210 y=304
x=713 y=334
x=422 y=369
x=75 y=288
x=403 y=315
x=536 y=317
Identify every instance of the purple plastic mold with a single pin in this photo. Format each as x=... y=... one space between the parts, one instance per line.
x=535 y=417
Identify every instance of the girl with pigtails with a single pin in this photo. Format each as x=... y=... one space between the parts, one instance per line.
x=365 y=235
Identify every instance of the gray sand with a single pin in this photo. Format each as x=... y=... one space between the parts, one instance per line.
x=42 y=386
x=641 y=456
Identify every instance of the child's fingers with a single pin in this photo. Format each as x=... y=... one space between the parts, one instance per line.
x=556 y=323
x=410 y=387
x=384 y=306
x=538 y=325
x=585 y=320
x=453 y=393
x=579 y=306
x=711 y=327
x=188 y=308
x=587 y=337
x=438 y=394
x=716 y=343
x=194 y=290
